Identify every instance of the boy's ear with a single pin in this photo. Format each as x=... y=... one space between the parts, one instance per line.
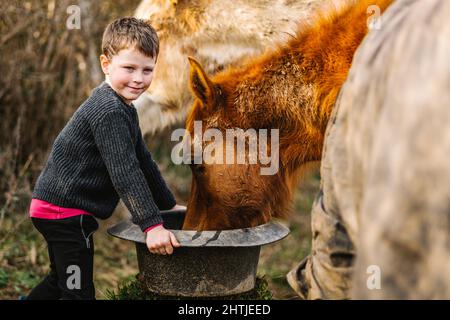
x=104 y=63
x=200 y=84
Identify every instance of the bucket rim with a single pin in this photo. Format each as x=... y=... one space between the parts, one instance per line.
x=246 y=237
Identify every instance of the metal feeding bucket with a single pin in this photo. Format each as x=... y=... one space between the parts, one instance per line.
x=208 y=263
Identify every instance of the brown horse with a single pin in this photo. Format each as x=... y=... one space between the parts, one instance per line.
x=292 y=89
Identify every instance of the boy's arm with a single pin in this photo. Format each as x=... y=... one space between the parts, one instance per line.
x=161 y=192
x=113 y=138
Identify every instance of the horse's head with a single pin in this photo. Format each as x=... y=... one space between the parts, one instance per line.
x=233 y=185
x=291 y=89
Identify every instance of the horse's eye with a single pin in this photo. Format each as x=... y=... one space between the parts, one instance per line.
x=198 y=168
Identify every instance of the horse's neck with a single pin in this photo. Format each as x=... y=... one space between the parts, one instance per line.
x=295 y=87
x=311 y=70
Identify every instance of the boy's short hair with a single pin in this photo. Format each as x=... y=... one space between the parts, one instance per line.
x=129 y=32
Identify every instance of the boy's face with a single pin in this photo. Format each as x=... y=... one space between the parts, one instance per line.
x=129 y=73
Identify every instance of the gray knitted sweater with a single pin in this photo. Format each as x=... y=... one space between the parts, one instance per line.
x=99 y=157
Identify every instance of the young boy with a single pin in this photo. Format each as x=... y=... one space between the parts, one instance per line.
x=97 y=158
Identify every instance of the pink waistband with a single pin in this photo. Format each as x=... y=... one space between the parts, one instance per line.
x=46 y=210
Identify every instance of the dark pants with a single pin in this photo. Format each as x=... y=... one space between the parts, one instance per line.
x=71 y=253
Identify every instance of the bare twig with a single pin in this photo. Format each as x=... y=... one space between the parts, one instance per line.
x=18 y=28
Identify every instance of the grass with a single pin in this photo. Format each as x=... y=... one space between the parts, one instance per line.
x=24 y=257
x=133 y=289
x=277 y=259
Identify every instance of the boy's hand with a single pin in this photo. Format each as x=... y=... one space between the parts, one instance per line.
x=161 y=241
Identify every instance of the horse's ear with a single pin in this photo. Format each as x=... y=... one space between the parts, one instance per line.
x=201 y=86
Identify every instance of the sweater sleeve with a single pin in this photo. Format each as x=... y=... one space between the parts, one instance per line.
x=161 y=193
x=114 y=141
